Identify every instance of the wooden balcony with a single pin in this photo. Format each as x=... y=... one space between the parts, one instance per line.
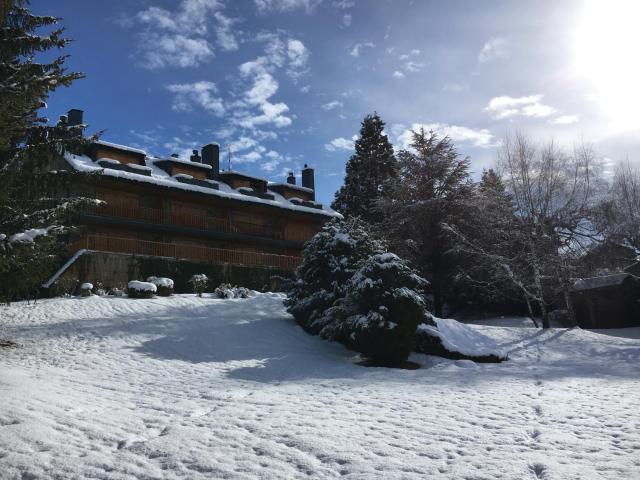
x=132 y=246
x=202 y=222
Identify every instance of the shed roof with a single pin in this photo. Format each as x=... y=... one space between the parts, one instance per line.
x=601 y=282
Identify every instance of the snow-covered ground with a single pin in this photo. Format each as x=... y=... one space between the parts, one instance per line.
x=187 y=387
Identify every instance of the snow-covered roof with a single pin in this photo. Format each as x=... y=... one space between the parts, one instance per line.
x=180 y=161
x=600 y=282
x=159 y=177
x=291 y=185
x=240 y=174
x=120 y=147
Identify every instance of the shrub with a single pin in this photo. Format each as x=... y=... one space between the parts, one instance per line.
x=116 y=292
x=85 y=289
x=329 y=260
x=137 y=289
x=199 y=282
x=379 y=314
x=226 y=290
x=163 y=285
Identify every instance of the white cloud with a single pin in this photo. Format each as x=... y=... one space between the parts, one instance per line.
x=455 y=87
x=201 y=94
x=264 y=87
x=159 y=50
x=339 y=143
x=332 y=105
x=357 y=48
x=413 y=66
x=224 y=32
x=285 y=5
x=398 y=74
x=528 y=106
x=481 y=137
x=179 y=38
x=343 y=4
x=493 y=49
x=346 y=20
x=566 y=119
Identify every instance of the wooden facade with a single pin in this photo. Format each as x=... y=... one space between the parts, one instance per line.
x=138 y=215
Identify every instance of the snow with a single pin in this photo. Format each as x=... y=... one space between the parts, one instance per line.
x=184 y=387
x=86 y=286
x=161 y=281
x=292 y=186
x=141 y=286
x=159 y=177
x=600 y=282
x=120 y=147
x=461 y=338
x=29 y=236
x=184 y=162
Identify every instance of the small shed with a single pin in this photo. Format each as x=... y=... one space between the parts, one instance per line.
x=611 y=301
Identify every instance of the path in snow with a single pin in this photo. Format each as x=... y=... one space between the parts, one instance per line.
x=187 y=387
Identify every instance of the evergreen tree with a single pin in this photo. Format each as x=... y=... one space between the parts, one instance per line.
x=329 y=260
x=381 y=310
x=32 y=196
x=368 y=172
x=432 y=189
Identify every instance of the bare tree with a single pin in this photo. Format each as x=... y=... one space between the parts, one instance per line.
x=554 y=194
x=624 y=221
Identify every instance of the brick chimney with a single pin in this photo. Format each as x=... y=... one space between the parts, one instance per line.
x=211 y=156
x=291 y=179
x=74 y=117
x=308 y=180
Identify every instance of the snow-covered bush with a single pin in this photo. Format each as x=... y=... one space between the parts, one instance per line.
x=199 y=282
x=85 y=289
x=163 y=284
x=226 y=290
x=99 y=289
x=452 y=339
x=381 y=310
x=329 y=260
x=137 y=289
x=116 y=292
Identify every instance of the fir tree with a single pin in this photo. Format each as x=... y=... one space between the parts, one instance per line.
x=329 y=260
x=432 y=189
x=368 y=172
x=31 y=195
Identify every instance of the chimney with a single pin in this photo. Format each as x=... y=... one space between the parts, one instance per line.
x=74 y=117
x=291 y=179
x=195 y=157
x=308 y=180
x=211 y=156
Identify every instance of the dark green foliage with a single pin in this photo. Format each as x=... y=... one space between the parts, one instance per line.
x=136 y=293
x=432 y=189
x=381 y=310
x=369 y=171
x=329 y=260
x=31 y=194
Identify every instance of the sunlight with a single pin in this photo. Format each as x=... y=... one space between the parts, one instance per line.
x=605 y=52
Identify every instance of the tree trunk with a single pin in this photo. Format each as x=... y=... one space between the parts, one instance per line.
x=544 y=313
x=570 y=310
x=533 y=319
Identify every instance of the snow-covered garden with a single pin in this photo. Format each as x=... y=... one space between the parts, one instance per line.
x=200 y=387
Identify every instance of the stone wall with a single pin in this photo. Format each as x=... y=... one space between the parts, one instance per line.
x=115 y=270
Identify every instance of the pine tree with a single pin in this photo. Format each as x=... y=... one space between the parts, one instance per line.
x=368 y=172
x=31 y=195
x=329 y=260
x=382 y=308
x=432 y=189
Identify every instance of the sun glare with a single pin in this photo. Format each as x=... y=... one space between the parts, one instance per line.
x=606 y=43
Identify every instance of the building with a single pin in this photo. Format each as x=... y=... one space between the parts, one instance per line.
x=611 y=301
x=175 y=217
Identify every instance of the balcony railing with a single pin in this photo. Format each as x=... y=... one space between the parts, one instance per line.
x=201 y=222
x=132 y=246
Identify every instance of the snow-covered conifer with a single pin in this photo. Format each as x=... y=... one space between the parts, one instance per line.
x=329 y=260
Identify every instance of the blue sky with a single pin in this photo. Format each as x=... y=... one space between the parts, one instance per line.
x=286 y=82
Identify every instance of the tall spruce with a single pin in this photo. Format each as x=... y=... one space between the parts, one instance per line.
x=368 y=172
x=431 y=190
x=34 y=198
